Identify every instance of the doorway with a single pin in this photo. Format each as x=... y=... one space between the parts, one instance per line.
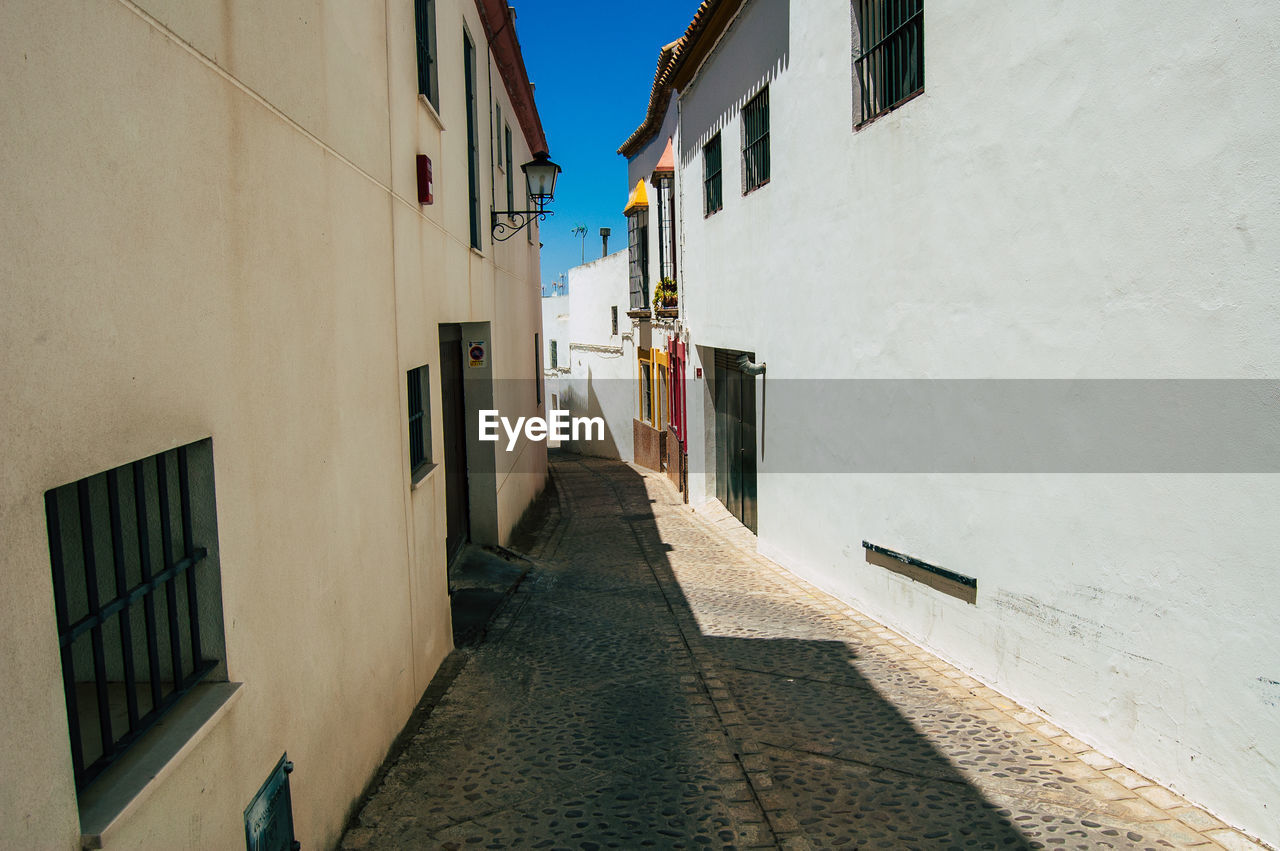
x=454 y=413
x=735 y=409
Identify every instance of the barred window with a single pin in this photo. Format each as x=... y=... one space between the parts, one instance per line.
x=638 y=256
x=755 y=142
x=419 y=381
x=666 y=229
x=555 y=360
x=712 y=194
x=889 y=67
x=137 y=596
x=428 y=79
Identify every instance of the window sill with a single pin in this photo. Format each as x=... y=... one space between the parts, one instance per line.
x=125 y=786
x=761 y=185
x=668 y=312
x=639 y=314
x=890 y=111
x=431 y=111
x=424 y=472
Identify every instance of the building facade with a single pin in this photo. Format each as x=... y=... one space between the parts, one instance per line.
x=595 y=359
x=906 y=235
x=250 y=310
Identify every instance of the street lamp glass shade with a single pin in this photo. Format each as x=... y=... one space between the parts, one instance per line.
x=540 y=176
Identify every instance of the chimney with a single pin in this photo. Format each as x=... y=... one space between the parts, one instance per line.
x=604 y=239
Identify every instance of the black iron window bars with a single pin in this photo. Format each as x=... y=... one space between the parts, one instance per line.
x=419 y=386
x=755 y=142
x=889 y=68
x=712 y=190
x=127 y=601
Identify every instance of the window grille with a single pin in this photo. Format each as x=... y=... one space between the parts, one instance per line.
x=428 y=78
x=419 y=381
x=712 y=194
x=889 y=68
x=136 y=595
x=666 y=230
x=638 y=255
x=555 y=360
x=613 y=312
x=755 y=142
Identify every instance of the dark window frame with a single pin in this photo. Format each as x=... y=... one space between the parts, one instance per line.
x=888 y=67
x=755 y=141
x=664 y=193
x=712 y=176
x=511 y=174
x=473 y=139
x=638 y=257
x=143 y=520
x=418 y=381
x=428 y=72
x=537 y=368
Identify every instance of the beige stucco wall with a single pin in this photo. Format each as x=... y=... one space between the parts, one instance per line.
x=211 y=229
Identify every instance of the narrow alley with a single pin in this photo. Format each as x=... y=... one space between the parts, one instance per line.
x=654 y=683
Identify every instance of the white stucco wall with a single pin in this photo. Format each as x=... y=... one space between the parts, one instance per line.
x=1079 y=192
x=602 y=377
x=203 y=240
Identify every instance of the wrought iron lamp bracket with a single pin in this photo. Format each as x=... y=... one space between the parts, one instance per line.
x=508 y=223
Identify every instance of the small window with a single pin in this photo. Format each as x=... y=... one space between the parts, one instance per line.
x=511 y=176
x=137 y=596
x=555 y=360
x=537 y=369
x=888 y=69
x=613 y=311
x=428 y=78
x=473 y=143
x=755 y=142
x=497 y=131
x=712 y=194
x=419 y=381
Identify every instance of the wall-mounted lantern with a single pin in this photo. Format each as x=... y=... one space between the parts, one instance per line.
x=540 y=178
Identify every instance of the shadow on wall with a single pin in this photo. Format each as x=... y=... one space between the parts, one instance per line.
x=588 y=405
x=841 y=758
x=761 y=42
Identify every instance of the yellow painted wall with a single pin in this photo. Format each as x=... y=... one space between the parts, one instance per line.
x=210 y=228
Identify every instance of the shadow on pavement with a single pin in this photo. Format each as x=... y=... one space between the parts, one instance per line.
x=652 y=688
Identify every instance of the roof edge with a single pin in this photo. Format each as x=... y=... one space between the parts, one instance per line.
x=500 y=34
x=677 y=68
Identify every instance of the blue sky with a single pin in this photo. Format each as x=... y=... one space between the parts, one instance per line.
x=592 y=64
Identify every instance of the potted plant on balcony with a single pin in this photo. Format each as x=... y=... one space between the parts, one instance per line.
x=665 y=296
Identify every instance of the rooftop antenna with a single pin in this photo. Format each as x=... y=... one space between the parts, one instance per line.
x=581 y=230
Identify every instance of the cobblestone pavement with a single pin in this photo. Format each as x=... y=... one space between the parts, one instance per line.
x=654 y=684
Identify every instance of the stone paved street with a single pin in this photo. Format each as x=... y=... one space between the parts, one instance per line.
x=653 y=683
